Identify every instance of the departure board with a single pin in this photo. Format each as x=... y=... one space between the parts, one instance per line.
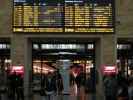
x=94 y=16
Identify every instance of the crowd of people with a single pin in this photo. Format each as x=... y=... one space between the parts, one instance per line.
x=52 y=85
x=15 y=87
x=118 y=87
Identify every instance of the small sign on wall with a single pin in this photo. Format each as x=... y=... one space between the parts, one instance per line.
x=109 y=70
x=17 y=69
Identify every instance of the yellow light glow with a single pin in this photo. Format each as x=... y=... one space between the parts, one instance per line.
x=75 y=16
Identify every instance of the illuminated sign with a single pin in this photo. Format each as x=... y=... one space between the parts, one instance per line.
x=19 y=1
x=63 y=46
x=73 y=1
x=92 y=16
x=109 y=70
x=17 y=69
x=123 y=46
x=4 y=46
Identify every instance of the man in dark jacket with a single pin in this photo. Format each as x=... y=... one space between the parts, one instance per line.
x=12 y=86
x=50 y=87
x=19 y=87
x=59 y=82
x=110 y=85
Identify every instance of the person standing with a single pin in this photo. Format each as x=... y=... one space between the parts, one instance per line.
x=50 y=87
x=59 y=82
x=110 y=85
x=19 y=87
x=12 y=86
x=122 y=88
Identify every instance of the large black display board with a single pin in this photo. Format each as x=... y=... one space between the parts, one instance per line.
x=64 y=16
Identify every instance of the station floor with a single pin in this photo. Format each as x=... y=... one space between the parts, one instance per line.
x=74 y=95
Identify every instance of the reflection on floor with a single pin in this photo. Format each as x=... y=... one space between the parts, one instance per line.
x=79 y=92
x=75 y=94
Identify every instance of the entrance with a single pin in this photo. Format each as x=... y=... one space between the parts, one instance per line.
x=71 y=65
x=5 y=63
x=125 y=59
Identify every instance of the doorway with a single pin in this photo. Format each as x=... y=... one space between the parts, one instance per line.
x=125 y=59
x=5 y=63
x=72 y=65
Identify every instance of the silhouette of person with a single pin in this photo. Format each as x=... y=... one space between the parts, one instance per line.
x=19 y=87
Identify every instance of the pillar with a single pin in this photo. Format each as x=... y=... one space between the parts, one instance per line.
x=106 y=48
x=21 y=55
x=109 y=49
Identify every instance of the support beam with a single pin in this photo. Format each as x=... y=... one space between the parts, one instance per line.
x=21 y=52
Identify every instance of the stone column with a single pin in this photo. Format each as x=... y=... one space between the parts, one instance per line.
x=106 y=48
x=21 y=55
x=109 y=49
x=28 y=71
x=98 y=61
x=17 y=49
